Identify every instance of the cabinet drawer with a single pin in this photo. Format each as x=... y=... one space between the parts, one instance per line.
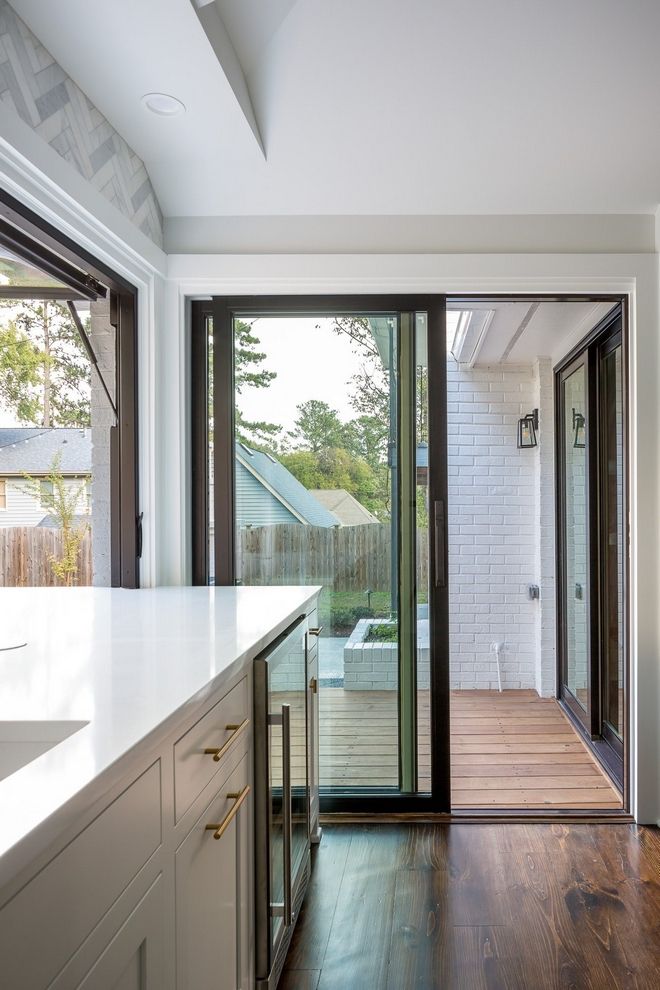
x=48 y=919
x=213 y=891
x=218 y=730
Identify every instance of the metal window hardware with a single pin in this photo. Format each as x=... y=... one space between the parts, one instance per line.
x=217 y=752
x=315 y=630
x=314 y=685
x=238 y=797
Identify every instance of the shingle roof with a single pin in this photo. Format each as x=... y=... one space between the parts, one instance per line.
x=31 y=451
x=348 y=510
x=284 y=486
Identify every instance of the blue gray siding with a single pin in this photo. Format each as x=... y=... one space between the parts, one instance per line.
x=255 y=505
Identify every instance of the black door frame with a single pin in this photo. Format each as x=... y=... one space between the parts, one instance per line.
x=610 y=331
x=222 y=310
x=41 y=244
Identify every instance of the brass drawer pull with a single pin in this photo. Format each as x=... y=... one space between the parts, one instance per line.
x=238 y=798
x=217 y=752
x=315 y=630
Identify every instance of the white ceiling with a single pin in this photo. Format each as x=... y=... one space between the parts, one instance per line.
x=516 y=332
x=379 y=106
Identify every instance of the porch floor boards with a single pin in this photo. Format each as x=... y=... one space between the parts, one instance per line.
x=509 y=750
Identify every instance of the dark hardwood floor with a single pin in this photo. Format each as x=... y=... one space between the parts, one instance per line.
x=516 y=907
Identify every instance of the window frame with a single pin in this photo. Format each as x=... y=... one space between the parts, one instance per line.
x=37 y=241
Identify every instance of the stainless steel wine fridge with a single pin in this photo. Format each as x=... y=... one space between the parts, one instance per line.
x=282 y=858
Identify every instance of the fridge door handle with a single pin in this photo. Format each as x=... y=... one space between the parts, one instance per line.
x=286 y=811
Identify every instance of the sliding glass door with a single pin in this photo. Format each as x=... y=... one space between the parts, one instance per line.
x=591 y=449
x=313 y=467
x=574 y=509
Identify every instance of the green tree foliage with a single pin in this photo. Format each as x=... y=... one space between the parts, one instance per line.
x=334 y=468
x=370 y=395
x=317 y=428
x=249 y=373
x=20 y=374
x=44 y=370
x=62 y=502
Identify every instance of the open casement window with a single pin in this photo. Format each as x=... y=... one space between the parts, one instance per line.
x=69 y=399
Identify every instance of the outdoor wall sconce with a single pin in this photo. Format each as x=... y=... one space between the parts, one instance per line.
x=579 y=424
x=527 y=429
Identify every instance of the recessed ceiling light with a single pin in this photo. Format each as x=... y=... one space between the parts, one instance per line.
x=162 y=104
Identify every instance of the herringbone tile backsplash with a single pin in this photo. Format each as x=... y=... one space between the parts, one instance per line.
x=42 y=94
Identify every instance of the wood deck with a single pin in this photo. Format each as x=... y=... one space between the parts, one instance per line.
x=509 y=750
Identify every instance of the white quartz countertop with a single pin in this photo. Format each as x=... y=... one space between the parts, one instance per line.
x=127 y=663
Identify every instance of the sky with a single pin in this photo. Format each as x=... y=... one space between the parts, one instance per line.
x=311 y=361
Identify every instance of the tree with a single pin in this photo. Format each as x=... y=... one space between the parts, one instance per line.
x=317 y=427
x=371 y=384
x=334 y=468
x=45 y=371
x=62 y=503
x=249 y=374
x=20 y=369
x=367 y=437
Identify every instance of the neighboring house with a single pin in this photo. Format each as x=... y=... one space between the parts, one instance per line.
x=32 y=451
x=344 y=506
x=267 y=493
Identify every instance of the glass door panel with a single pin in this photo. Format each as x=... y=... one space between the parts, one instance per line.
x=316 y=441
x=575 y=537
x=593 y=541
x=422 y=553
x=611 y=402
x=319 y=444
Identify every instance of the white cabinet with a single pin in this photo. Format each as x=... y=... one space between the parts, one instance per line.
x=213 y=891
x=139 y=894
x=45 y=923
x=134 y=958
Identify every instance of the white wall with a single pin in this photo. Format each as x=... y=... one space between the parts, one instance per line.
x=492 y=526
x=546 y=631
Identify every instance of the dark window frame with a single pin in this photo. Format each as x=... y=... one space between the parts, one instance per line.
x=223 y=310
x=395 y=804
x=34 y=239
x=610 y=331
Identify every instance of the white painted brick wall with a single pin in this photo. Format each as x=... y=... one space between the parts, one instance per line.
x=493 y=522
x=102 y=336
x=547 y=613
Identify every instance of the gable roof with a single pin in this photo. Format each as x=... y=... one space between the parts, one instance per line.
x=348 y=510
x=31 y=451
x=282 y=484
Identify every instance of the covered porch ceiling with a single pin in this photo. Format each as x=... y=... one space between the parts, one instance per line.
x=483 y=332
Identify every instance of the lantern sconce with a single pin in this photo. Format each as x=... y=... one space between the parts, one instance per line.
x=579 y=424
x=527 y=429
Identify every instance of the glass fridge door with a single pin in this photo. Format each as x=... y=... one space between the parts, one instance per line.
x=289 y=830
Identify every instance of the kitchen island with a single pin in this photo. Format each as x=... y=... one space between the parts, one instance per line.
x=105 y=718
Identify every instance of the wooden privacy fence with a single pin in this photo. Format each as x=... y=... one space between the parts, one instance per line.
x=26 y=553
x=345 y=558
